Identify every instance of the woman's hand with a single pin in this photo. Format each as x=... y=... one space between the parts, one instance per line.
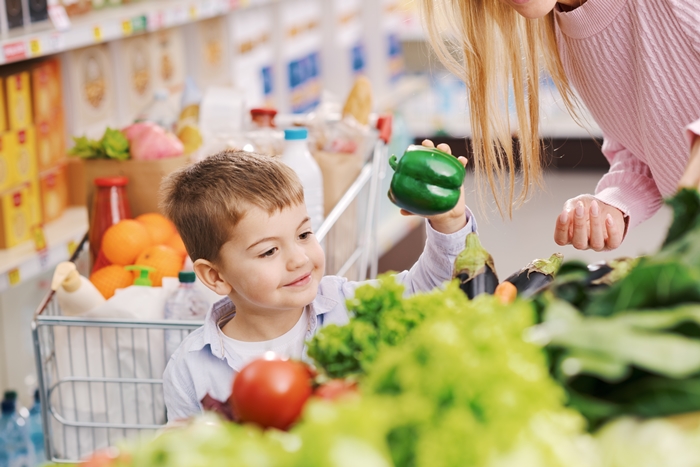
x=587 y=223
x=691 y=176
x=455 y=219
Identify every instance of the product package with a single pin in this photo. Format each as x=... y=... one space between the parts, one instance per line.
x=253 y=55
x=19 y=100
x=15 y=217
x=21 y=148
x=168 y=54
x=209 y=45
x=135 y=76
x=343 y=45
x=91 y=103
x=53 y=187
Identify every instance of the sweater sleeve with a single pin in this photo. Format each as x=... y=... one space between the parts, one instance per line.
x=629 y=185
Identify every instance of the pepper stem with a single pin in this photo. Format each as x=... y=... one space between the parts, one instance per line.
x=547 y=267
x=392 y=162
x=473 y=258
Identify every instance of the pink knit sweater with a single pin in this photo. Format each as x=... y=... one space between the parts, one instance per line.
x=635 y=64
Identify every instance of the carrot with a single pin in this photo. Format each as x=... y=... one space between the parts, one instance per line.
x=506 y=292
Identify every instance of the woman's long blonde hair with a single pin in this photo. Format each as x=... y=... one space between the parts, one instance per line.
x=496 y=51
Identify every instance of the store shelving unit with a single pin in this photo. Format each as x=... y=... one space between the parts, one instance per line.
x=114 y=23
x=24 y=262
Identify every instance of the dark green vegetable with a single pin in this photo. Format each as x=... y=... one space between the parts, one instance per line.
x=475 y=269
x=536 y=276
x=426 y=181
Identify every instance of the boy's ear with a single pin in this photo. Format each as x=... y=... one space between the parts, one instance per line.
x=208 y=273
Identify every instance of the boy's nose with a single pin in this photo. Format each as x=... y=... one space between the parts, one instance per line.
x=297 y=259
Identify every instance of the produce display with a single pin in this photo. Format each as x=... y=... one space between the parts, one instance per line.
x=585 y=367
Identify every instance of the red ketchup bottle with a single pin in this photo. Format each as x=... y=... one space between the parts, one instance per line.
x=110 y=205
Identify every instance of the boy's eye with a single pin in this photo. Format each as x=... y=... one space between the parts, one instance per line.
x=305 y=235
x=269 y=252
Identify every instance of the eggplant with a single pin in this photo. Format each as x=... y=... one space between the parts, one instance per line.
x=536 y=276
x=475 y=269
x=605 y=274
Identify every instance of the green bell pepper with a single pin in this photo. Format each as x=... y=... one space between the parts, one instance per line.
x=426 y=181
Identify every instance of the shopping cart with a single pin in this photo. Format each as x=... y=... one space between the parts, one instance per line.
x=100 y=380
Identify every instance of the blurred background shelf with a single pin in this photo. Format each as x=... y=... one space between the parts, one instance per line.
x=23 y=262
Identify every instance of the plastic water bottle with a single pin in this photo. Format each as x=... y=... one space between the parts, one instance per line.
x=297 y=156
x=15 y=448
x=36 y=430
x=185 y=303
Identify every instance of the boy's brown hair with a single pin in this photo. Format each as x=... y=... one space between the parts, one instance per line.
x=207 y=199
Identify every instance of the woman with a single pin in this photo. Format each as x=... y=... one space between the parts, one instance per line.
x=635 y=64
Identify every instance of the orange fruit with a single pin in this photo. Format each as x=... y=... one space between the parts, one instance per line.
x=166 y=261
x=177 y=244
x=159 y=227
x=110 y=278
x=124 y=242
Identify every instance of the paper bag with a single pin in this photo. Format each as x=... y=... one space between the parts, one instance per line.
x=144 y=179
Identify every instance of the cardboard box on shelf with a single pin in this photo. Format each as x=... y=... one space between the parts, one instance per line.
x=91 y=102
x=135 y=76
x=50 y=143
x=209 y=46
x=18 y=100
x=3 y=108
x=21 y=148
x=5 y=169
x=46 y=90
x=53 y=188
x=168 y=53
x=15 y=217
x=144 y=179
x=36 y=216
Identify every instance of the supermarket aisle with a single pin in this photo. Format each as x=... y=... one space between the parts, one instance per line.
x=529 y=235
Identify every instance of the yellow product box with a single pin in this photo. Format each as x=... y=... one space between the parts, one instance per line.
x=36 y=216
x=19 y=100
x=46 y=90
x=50 y=143
x=5 y=166
x=21 y=148
x=53 y=187
x=15 y=217
x=3 y=110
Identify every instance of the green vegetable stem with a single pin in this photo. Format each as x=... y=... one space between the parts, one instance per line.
x=426 y=181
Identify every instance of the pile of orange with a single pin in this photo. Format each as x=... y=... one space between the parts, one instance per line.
x=149 y=240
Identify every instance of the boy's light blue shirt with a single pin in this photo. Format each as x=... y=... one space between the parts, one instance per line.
x=203 y=365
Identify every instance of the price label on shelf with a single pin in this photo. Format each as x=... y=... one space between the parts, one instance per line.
x=139 y=23
x=194 y=12
x=35 y=47
x=14 y=277
x=127 y=28
x=39 y=238
x=97 y=33
x=57 y=42
x=72 y=246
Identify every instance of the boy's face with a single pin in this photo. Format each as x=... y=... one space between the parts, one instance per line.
x=272 y=262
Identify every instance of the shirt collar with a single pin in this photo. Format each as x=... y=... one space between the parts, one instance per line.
x=224 y=309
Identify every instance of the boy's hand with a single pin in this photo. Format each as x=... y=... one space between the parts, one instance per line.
x=587 y=223
x=455 y=219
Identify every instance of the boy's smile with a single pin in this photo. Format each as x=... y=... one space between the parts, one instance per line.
x=272 y=266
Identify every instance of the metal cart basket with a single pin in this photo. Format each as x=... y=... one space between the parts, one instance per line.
x=100 y=380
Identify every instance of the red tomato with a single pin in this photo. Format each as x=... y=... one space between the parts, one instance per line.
x=335 y=389
x=271 y=393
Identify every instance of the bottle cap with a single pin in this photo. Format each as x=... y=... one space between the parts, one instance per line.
x=10 y=395
x=291 y=134
x=143 y=278
x=111 y=181
x=7 y=407
x=186 y=277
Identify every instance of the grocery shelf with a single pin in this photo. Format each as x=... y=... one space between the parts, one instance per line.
x=22 y=263
x=113 y=23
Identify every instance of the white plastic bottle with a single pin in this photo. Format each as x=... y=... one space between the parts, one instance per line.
x=297 y=156
x=185 y=303
x=75 y=293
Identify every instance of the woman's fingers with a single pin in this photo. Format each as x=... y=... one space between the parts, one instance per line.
x=561 y=229
x=615 y=232
x=445 y=148
x=597 y=239
x=580 y=237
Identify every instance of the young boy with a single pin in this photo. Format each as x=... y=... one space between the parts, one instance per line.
x=244 y=223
